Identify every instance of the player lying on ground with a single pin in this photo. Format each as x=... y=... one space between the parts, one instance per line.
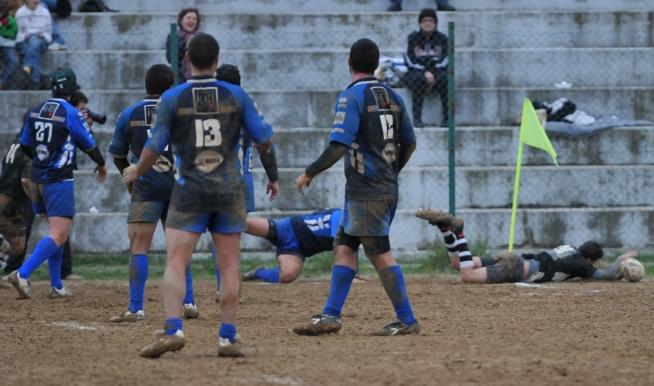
x=296 y=239
x=52 y=132
x=149 y=195
x=373 y=131
x=201 y=119
x=559 y=264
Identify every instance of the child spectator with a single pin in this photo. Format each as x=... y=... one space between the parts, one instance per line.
x=188 y=23
x=8 y=31
x=34 y=36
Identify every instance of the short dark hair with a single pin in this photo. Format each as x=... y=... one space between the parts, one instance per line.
x=364 y=56
x=158 y=79
x=183 y=13
x=203 y=50
x=78 y=97
x=229 y=73
x=591 y=250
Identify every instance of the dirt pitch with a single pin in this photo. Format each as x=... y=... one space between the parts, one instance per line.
x=573 y=333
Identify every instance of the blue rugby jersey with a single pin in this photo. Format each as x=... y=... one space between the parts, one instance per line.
x=372 y=120
x=133 y=128
x=202 y=120
x=315 y=231
x=54 y=129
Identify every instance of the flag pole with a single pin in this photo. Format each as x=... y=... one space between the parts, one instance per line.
x=516 y=190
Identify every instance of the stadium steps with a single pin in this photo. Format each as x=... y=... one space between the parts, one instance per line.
x=475 y=29
x=537 y=228
x=475 y=146
x=300 y=6
x=314 y=108
x=510 y=67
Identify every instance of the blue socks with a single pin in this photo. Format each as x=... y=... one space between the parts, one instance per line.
x=54 y=267
x=138 y=275
x=43 y=250
x=269 y=275
x=227 y=331
x=393 y=281
x=342 y=277
x=188 y=297
x=171 y=325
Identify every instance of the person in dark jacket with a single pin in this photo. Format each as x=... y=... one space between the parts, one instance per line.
x=188 y=24
x=426 y=57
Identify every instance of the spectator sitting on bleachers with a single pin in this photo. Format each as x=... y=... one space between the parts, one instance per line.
x=441 y=5
x=188 y=24
x=62 y=9
x=34 y=35
x=8 y=31
x=426 y=58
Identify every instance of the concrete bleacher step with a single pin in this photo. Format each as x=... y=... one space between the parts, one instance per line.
x=477 y=187
x=300 y=6
x=304 y=108
x=310 y=69
x=620 y=227
x=475 y=146
x=477 y=29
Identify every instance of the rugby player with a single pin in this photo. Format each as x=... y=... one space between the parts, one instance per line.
x=202 y=120
x=51 y=134
x=373 y=131
x=296 y=238
x=149 y=195
x=559 y=264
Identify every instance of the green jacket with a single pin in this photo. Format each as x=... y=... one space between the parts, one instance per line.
x=10 y=30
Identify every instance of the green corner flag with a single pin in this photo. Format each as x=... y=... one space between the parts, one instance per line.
x=533 y=134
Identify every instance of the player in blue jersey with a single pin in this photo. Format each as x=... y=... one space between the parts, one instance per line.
x=51 y=134
x=373 y=131
x=296 y=239
x=149 y=194
x=202 y=120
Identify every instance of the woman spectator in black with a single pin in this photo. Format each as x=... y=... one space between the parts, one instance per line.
x=188 y=24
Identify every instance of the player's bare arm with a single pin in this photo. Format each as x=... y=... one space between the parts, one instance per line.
x=100 y=168
x=406 y=150
x=269 y=161
x=133 y=172
x=334 y=152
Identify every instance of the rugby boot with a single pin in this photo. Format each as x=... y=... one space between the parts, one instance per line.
x=250 y=275
x=436 y=217
x=228 y=349
x=456 y=225
x=62 y=292
x=23 y=286
x=163 y=344
x=217 y=298
x=191 y=311
x=128 y=317
x=399 y=328
x=320 y=324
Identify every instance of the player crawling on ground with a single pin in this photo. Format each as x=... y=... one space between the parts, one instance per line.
x=149 y=195
x=559 y=264
x=296 y=239
x=373 y=131
x=201 y=119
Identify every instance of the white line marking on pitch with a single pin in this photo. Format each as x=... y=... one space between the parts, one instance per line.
x=74 y=326
x=282 y=380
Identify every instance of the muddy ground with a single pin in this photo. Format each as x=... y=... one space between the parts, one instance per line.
x=572 y=333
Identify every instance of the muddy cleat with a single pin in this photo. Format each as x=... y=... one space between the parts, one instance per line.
x=456 y=225
x=399 y=328
x=217 y=298
x=436 y=217
x=250 y=275
x=22 y=285
x=320 y=324
x=163 y=344
x=191 y=311
x=228 y=349
x=62 y=292
x=128 y=317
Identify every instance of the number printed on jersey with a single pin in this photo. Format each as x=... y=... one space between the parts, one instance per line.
x=388 y=131
x=43 y=131
x=316 y=224
x=11 y=154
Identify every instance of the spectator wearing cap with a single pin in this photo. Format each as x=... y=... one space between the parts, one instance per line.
x=426 y=57
x=188 y=25
x=441 y=5
x=34 y=36
x=8 y=31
